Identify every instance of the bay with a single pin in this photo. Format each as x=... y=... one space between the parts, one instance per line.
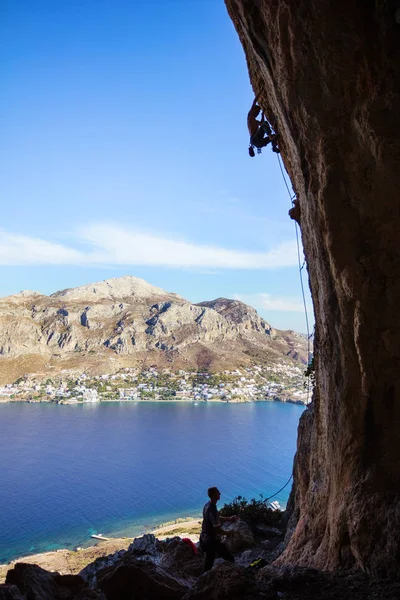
x=67 y=472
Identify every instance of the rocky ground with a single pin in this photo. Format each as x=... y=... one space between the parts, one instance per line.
x=154 y=569
x=71 y=562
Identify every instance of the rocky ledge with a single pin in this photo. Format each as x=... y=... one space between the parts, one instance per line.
x=173 y=569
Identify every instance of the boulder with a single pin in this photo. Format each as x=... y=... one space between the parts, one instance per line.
x=268 y=532
x=35 y=583
x=89 y=573
x=179 y=559
x=172 y=555
x=240 y=538
x=135 y=579
x=147 y=545
x=225 y=581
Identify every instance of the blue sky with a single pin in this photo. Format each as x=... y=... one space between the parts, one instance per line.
x=124 y=151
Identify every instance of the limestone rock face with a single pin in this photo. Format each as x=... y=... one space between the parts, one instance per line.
x=234 y=312
x=329 y=76
x=127 y=317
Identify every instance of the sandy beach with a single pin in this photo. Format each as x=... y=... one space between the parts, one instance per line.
x=72 y=561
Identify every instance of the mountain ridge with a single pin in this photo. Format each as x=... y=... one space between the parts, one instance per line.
x=126 y=321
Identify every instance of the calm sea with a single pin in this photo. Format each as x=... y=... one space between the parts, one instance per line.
x=69 y=471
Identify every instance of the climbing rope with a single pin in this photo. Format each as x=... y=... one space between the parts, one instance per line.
x=292 y=197
x=282 y=488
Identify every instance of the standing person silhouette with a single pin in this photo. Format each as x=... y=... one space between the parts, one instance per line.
x=211 y=531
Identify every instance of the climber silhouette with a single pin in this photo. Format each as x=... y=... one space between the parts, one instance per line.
x=260 y=131
x=294 y=212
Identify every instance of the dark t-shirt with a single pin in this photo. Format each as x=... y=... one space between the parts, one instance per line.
x=210 y=521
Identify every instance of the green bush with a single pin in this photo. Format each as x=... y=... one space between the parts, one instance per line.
x=253 y=511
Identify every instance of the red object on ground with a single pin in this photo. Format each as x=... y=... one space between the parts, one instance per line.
x=191 y=544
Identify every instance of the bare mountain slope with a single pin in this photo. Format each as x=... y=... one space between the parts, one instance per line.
x=126 y=321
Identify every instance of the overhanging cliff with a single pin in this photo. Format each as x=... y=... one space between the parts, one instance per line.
x=330 y=79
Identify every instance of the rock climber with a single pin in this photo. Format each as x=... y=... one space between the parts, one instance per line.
x=260 y=131
x=294 y=212
x=211 y=531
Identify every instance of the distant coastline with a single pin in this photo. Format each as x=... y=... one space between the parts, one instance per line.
x=5 y=399
x=281 y=382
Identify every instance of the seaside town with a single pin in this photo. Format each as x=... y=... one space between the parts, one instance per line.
x=281 y=382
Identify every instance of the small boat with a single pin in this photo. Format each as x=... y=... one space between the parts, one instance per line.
x=275 y=505
x=99 y=536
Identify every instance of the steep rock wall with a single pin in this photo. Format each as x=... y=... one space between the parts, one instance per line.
x=330 y=75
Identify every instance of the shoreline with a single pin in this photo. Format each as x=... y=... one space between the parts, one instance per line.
x=6 y=400
x=71 y=562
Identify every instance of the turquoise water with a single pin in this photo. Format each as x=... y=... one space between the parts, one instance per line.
x=120 y=468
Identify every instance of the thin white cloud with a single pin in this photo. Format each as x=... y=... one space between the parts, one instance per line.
x=269 y=302
x=18 y=249
x=124 y=246
x=113 y=244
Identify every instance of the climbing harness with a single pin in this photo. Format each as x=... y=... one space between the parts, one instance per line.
x=258 y=137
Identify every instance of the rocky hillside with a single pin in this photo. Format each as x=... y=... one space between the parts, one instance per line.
x=126 y=321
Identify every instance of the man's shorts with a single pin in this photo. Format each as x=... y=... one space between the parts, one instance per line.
x=258 y=139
